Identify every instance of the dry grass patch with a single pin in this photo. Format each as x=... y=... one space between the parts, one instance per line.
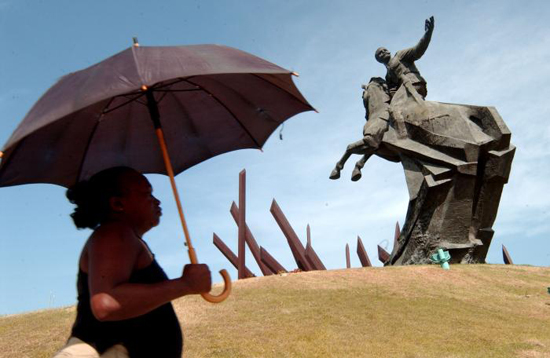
x=421 y=311
x=414 y=311
x=35 y=334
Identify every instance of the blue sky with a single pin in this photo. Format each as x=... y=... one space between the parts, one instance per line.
x=482 y=53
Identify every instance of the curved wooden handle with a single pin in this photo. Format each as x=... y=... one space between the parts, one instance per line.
x=226 y=290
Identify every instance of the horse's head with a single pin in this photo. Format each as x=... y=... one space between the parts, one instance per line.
x=377 y=90
x=378 y=82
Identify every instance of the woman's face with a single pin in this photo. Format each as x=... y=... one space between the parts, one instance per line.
x=139 y=206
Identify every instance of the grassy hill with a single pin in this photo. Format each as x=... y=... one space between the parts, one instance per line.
x=412 y=311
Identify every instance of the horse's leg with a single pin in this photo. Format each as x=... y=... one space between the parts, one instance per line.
x=335 y=174
x=353 y=148
x=356 y=174
x=368 y=150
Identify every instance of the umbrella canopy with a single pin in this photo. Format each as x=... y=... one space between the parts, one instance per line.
x=212 y=99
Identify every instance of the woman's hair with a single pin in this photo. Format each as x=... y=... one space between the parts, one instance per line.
x=91 y=197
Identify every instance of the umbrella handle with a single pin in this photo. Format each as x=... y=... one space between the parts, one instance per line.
x=226 y=280
x=226 y=290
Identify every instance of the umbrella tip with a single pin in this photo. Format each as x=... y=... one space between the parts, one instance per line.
x=136 y=44
x=295 y=74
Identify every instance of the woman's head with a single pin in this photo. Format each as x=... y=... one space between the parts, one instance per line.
x=114 y=193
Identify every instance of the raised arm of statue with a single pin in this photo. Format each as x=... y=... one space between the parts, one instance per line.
x=414 y=53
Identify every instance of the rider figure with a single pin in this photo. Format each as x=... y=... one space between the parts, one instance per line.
x=401 y=67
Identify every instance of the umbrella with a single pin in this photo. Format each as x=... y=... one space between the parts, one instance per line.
x=135 y=107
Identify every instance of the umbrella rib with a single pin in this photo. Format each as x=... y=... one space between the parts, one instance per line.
x=79 y=173
x=86 y=151
x=160 y=88
x=157 y=86
x=139 y=95
x=291 y=94
x=182 y=90
x=228 y=110
x=162 y=96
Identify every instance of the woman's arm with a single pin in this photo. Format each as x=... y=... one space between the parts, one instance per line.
x=112 y=256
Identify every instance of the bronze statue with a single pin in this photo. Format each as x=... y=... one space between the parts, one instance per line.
x=456 y=159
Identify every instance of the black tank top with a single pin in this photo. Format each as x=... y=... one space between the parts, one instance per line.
x=154 y=334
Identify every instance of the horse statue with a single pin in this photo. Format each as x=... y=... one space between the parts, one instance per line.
x=376 y=100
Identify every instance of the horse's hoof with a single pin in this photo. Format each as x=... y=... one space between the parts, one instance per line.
x=356 y=174
x=335 y=174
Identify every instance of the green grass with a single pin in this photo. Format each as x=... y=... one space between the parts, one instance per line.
x=412 y=311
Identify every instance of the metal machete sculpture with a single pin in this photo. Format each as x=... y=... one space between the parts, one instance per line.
x=456 y=159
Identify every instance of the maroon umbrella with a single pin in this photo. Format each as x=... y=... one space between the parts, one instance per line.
x=212 y=99
x=208 y=99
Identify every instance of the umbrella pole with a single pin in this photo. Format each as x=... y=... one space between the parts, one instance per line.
x=162 y=142
x=155 y=116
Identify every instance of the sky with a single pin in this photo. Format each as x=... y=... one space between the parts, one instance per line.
x=486 y=53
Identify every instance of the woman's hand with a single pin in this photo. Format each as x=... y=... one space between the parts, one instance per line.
x=197 y=278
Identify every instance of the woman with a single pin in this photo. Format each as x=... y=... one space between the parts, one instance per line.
x=123 y=295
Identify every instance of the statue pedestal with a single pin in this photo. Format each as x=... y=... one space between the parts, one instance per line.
x=456 y=159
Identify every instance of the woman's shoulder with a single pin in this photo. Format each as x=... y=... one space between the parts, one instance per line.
x=110 y=241
x=118 y=241
x=114 y=236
